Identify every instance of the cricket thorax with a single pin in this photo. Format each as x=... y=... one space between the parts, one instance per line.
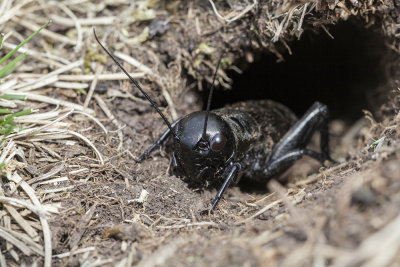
x=244 y=127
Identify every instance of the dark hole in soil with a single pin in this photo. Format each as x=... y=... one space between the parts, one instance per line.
x=343 y=73
x=346 y=73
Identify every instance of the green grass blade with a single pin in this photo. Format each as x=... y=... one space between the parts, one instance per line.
x=6 y=132
x=11 y=66
x=22 y=113
x=1 y=39
x=4 y=111
x=13 y=97
x=23 y=43
x=6 y=120
x=11 y=117
x=7 y=124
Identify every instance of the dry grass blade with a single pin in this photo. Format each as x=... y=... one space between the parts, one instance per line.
x=7 y=104
x=2 y=258
x=71 y=85
x=316 y=177
x=84 y=78
x=84 y=21
x=47 y=175
x=171 y=105
x=48 y=150
x=78 y=251
x=236 y=17
x=76 y=237
x=39 y=84
x=38 y=249
x=89 y=143
x=40 y=116
x=13 y=11
x=369 y=255
x=20 y=245
x=46 y=79
x=152 y=74
x=93 y=86
x=31 y=131
x=52 y=60
x=54 y=181
x=134 y=63
x=21 y=203
x=77 y=24
x=108 y=113
x=261 y=211
x=54 y=36
x=6 y=151
x=21 y=221
x=42 y=216
x=161 y=255
x=57 y=190
x=94 y=119
x=179 y=226
x=49 y=100
x=8 y=84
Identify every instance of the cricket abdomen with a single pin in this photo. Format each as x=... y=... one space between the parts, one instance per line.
x=263 y=122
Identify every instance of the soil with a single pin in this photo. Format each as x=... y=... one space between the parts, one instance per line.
x=346 y=214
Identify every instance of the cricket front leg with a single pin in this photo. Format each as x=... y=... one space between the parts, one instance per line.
x=231 y=173
x=159 y=142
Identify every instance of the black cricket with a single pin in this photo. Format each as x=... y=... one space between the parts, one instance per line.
x=254 y=139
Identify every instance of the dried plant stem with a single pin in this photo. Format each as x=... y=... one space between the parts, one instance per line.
x=238 y=16
x=84 y=21
x=31 y=85
x=84 y=78
x=13 y=11
x=78 y=251
x=93 y=86
x=108 y=113
x=42 y=216
x=49 y=100
x=33 y=27
x=152 y=74
x=47 y=59
x=20 y=245
x=77 y=24
x=89 y=143
x=37 y=129
x=94 y=119
x=267 y=207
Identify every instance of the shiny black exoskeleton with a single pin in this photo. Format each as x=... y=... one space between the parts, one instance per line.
x=254 y=139
x=257 y=139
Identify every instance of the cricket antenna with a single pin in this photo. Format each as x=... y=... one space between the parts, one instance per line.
x=209 y=99
x=137 y=85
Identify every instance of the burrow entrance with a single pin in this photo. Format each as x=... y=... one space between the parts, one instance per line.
x=344 y=73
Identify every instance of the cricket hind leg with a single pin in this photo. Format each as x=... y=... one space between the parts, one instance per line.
x=293 y=144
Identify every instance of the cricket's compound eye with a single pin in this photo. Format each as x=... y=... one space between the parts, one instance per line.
x=218 y=142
